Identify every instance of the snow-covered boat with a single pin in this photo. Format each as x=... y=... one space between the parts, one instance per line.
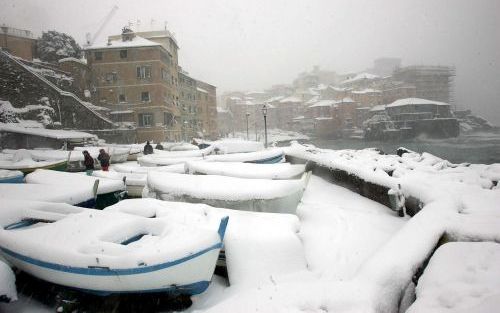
x=116 y=154
x=105 y=252
x=137 y=169
x=246 y=170
x=134 y=182
x=261 y=195
x=267 y=156
x=163 y=158
x=82 y=195
x=11 y=177
x=109 y=191
x=21 y=160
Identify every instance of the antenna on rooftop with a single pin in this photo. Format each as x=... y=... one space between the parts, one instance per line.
x=165 y=24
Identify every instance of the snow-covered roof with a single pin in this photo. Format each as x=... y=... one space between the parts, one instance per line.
x=313 y=100
x=368 y=90
x=273 y=99
x=291 y=99
x=379 y=107
x=81 y=61
x=346 y=100
x=201 y=90
x=324 y=103
x=414 y=101
x=43 y=132
x=360 y=76
x=323 y=118
x=121 y=112
x=235 y=98
x=137 y=41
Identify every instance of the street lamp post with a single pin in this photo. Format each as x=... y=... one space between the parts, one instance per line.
x=247 y=115
x=264 y=112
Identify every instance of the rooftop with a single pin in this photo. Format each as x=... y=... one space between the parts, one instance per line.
x=414 y=101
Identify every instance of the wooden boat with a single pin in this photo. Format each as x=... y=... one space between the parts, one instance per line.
x=109 y=191
x=11 y=177
x=27 y=165
x=103 y=252
x=246 y=170
x=260 y=195
x=134 y=182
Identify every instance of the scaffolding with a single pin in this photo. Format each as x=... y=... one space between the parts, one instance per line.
x=431 y=82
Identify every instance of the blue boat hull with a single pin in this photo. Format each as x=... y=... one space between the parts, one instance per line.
x=12 y=180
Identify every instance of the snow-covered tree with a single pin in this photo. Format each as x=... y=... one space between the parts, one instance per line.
x=54 y=46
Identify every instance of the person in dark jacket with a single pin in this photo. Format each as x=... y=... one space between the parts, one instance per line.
x=88 y=161
x=148 y=148
x=159 y=147
x=104 y=160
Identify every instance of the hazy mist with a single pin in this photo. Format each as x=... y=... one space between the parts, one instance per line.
x=249 y=45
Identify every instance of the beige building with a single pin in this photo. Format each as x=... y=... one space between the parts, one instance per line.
x=18 y=42
x=137 y=79
x=206 y=101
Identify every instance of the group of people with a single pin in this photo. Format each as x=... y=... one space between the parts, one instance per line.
x=88 y=161
x=103 y=158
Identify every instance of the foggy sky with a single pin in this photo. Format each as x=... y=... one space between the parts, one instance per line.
x=253 y=44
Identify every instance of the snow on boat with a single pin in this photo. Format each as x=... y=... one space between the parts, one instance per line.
x=80 y=195
x=22 y=161
x=109 y=191
x=261 y=195
x=153 y=160
x=237 y=145
x=134 y=182
x=247 y=170
x=262 y=157
x=8 y=290
x=105 y=252
x=11 y=177
x=74 y=158
x=137 y=169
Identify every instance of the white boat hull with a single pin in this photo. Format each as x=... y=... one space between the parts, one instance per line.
x=190 y=276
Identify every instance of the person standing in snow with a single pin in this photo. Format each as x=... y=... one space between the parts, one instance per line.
x=104 y=160
x=148 y=148
x=88 y=161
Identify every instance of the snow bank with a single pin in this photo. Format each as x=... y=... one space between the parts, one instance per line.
x=460 y=277
x=8 y=291
x=246 y=170
x=55 y=178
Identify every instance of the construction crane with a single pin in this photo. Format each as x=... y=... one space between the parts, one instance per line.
x=91 y=39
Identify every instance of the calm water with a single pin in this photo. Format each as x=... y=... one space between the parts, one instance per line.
x=472 y=148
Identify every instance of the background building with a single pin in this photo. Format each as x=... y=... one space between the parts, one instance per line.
x=18 y=42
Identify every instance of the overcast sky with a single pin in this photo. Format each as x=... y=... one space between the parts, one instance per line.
x=252 y=44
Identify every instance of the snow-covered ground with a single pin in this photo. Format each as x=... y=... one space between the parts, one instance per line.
x=344 y=253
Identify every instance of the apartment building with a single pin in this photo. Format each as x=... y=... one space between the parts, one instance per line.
x=135 y=75
x=18 y=42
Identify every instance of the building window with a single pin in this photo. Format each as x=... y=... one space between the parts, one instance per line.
x=143 y=72
x=169 y=119
x=164 y=75
x=122 y=98
x=98 y=55
x=146 y=120
x=111 y=77
x=145 y=96
x=123 y=54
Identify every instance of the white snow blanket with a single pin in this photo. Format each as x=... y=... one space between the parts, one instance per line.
x=8 y=290
x=51 y=154
x=55 y=178
x=132 y=179
x=250 y=242
x=246 y=170
x=237 y=145
x=137 y=169
x=71 y=194
x=461 y=277
x=152 y=160
x=221 y=187
x=247 y=157
x=116 y=154
x=22 y=159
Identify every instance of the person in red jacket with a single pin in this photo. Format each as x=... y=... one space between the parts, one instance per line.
x=104 y=160
x=88 y=161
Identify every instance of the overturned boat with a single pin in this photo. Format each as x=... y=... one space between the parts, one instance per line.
x=104 y=252
x=260 y=195
x=246 y=170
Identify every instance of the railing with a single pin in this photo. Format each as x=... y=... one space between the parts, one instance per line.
x=56 y=88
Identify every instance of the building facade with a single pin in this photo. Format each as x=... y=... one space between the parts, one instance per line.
x=137 y=79
x=18 y=42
